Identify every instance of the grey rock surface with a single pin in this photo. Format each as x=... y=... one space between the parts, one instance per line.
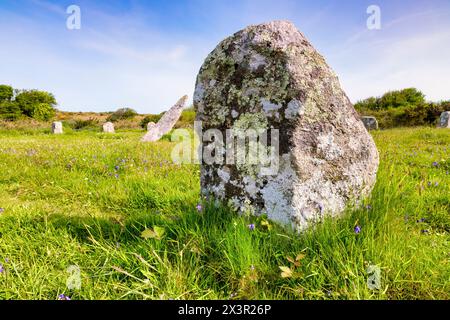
x=269 y=76
x=57 y=127
x=108 y=127
x=445 y=120
x=166 y=123
x=370 y=123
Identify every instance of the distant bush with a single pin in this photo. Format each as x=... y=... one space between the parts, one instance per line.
x=10 y=111
x=187 y=118
x=402 y=108
x=435 y=110
x=122 y=114
x=424 y=114
x=150 y=118
x=391 y=100
x=79 y=124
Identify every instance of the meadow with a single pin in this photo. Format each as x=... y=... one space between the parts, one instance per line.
x=130 y=219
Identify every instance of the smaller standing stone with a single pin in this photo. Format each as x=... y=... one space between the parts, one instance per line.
x=150 y=126
x=57 y=127
x=445 y=120
x=370 y=123
x=108 y=127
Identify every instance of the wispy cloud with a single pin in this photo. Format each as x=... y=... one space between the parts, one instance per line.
x=51 y=7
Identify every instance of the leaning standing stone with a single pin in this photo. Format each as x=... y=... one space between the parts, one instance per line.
x=445 y=119
x=370 y=123
x=108 y=127
x=166 y=123
x=57 y=127
x=269 y=77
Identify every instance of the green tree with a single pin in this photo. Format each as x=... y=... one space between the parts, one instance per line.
x=6 y=93
x=35 y=103
x=10 y=111
x=409 y=97
x=43 y=111
x=367 y=104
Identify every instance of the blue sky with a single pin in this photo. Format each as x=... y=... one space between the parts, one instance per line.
x=146 y=54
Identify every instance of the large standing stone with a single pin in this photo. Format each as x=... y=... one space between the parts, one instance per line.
x=269 y=76
x=108 y=127
x=166 y=123
x=57 y=127
x=445 y=120
x=370 y=123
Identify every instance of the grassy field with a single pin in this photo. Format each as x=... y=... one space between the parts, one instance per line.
x=127 y=216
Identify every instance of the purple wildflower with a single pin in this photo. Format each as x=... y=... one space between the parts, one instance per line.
x=435 y=164
x=199 y=207
x=421 y=220
x=425 y=231
x=251 y=226
x=116 y=168
x=2 y=210
x=436 y=184
x=63 y=297
x=357 y=229
x=369 y=207
x=1 y=268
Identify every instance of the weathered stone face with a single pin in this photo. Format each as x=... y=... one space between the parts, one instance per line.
x=445 y=119
x=108 y=127
x=166 y=123
x=57 y=127
x=269 y=77
x=370 y=123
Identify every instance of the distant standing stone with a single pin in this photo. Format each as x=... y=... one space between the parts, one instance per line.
x=150 y=126
x=445 y=120
x=370 y=123
x=268 y=77
x=166 y=123
x=57 y=127
x=108 y=127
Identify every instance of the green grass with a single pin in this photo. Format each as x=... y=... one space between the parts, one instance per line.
x=84 y=199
